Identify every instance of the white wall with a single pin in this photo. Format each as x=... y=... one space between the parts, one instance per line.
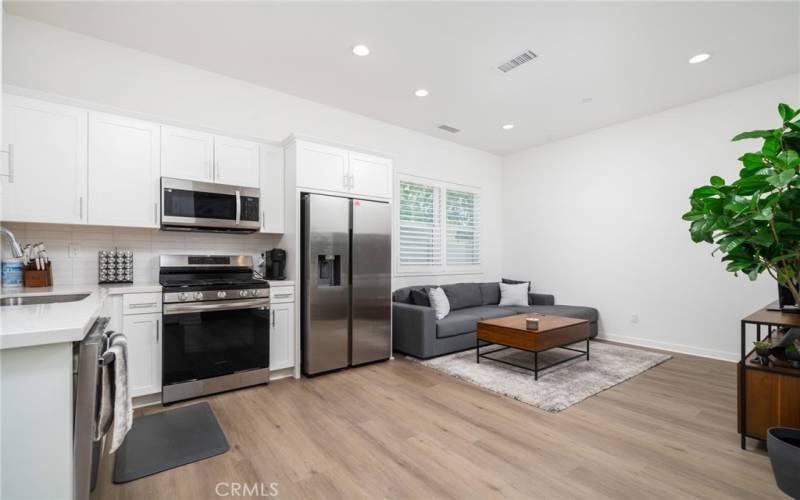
x=596 y=220
x=45 y=58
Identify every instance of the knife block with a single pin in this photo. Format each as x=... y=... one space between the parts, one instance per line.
x=33 y=278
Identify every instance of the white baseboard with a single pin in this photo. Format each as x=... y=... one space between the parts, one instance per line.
x=668 y=346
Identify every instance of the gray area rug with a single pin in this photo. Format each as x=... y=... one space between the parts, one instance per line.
x=559 y=387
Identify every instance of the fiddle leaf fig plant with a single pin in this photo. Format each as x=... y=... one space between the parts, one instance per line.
x=755 y=220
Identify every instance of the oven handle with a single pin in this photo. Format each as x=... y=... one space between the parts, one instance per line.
x=227 y=305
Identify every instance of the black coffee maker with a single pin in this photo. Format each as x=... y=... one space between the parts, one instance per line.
x=275 y=264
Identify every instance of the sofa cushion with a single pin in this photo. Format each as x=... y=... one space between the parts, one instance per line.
x=490 y=312
x=490 y=293
x=420 y=298
x=579 y=312
x=463 y=295
x=517 y=282
x=518 y=309
x=439 y=302
x=457 y=323
x=403 y=294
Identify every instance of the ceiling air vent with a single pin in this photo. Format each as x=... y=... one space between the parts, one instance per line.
x=521 y=59
x=448 y=128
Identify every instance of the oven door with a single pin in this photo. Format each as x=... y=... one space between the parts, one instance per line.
x=205 y=340
x=202 y=205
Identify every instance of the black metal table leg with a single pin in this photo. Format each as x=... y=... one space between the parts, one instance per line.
x=587 y=349
x=477 y=350
x=742 y=392
x=535 y=366
x=758 y=332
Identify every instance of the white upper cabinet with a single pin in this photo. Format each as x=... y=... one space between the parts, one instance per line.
x=272 y=190
x=45 y=180
x=334 y=169
x=235 y=162
x=124 y=156
x=187 y=154
x=370 y=175
x=321 y=167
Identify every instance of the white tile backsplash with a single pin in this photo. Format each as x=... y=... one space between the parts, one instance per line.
x=146 y=244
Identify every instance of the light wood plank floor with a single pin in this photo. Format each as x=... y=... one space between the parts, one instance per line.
x=401 y=430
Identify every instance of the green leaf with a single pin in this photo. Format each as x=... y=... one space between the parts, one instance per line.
x=765 y=214
x=771 y=146
x=717 y=181
x=753 y=134
x=763 y=237
x=782 y=179
x=729 y=243
x=704 y=192
x=693 y=216
x=752 y=160
x=786 y=112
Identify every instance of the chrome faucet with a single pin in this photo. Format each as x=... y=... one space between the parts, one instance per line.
x=16 y=250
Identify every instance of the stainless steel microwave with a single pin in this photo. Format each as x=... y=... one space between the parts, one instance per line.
x=203 y=206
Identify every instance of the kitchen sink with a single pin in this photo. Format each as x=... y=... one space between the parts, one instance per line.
x=42 y=299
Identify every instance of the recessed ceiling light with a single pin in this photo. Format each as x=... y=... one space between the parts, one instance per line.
x=421 y=93
x=699 y=58
x=586 y=100
x=361 y=50
x=508 y=126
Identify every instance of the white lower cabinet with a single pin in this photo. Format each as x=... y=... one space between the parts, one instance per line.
x=281 y=338
x=143 y=332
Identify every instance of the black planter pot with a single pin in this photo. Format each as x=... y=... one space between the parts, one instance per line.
x=763 y=355
x=783 y=445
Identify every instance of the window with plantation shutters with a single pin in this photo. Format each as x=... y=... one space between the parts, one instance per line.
x=419 y=225
x=463 y=228
x=438 y=227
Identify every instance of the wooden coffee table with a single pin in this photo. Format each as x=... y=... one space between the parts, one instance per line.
x=511 y=333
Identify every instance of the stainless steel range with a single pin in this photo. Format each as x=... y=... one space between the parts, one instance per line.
x=216 y=325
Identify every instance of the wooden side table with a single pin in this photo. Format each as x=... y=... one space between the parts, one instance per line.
x=768 y=395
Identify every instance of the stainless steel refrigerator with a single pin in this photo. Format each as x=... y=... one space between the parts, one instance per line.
x=346 y=282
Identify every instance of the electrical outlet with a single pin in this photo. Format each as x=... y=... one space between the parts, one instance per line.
x=635 y=318
x=74 y=251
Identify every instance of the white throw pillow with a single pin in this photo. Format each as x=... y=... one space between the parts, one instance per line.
x=439 y=302
x=514 y=295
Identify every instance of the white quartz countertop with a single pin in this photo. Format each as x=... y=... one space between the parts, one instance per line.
x=40 y=324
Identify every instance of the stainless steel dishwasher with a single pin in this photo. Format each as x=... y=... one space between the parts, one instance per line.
x=87 y=355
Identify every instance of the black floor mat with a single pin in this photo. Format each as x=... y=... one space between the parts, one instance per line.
x=169 y=439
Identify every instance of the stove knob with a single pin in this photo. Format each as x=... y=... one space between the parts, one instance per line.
x=198 y=295
x=183 y=296
x=221 y=295
x=242 y=293
x=253 y=293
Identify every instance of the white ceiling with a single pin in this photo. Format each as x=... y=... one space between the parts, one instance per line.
x=629 y=58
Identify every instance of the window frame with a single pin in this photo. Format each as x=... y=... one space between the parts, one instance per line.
x=443 y=268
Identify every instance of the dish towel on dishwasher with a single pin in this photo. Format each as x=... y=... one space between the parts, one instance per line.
x=116 y=408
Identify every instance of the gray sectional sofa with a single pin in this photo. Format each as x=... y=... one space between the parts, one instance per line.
x=417 y=332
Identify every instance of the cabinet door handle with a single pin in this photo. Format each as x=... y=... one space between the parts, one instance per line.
x=147 y=304
x=263 y=220
x=344 y=181
x=10 y=153
x=273 y=317
x=155 y=213
x=210 y=170
x=352 y=181
x=158 y=330
x=282 y=295
x=217 y=169
x=80 y=209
